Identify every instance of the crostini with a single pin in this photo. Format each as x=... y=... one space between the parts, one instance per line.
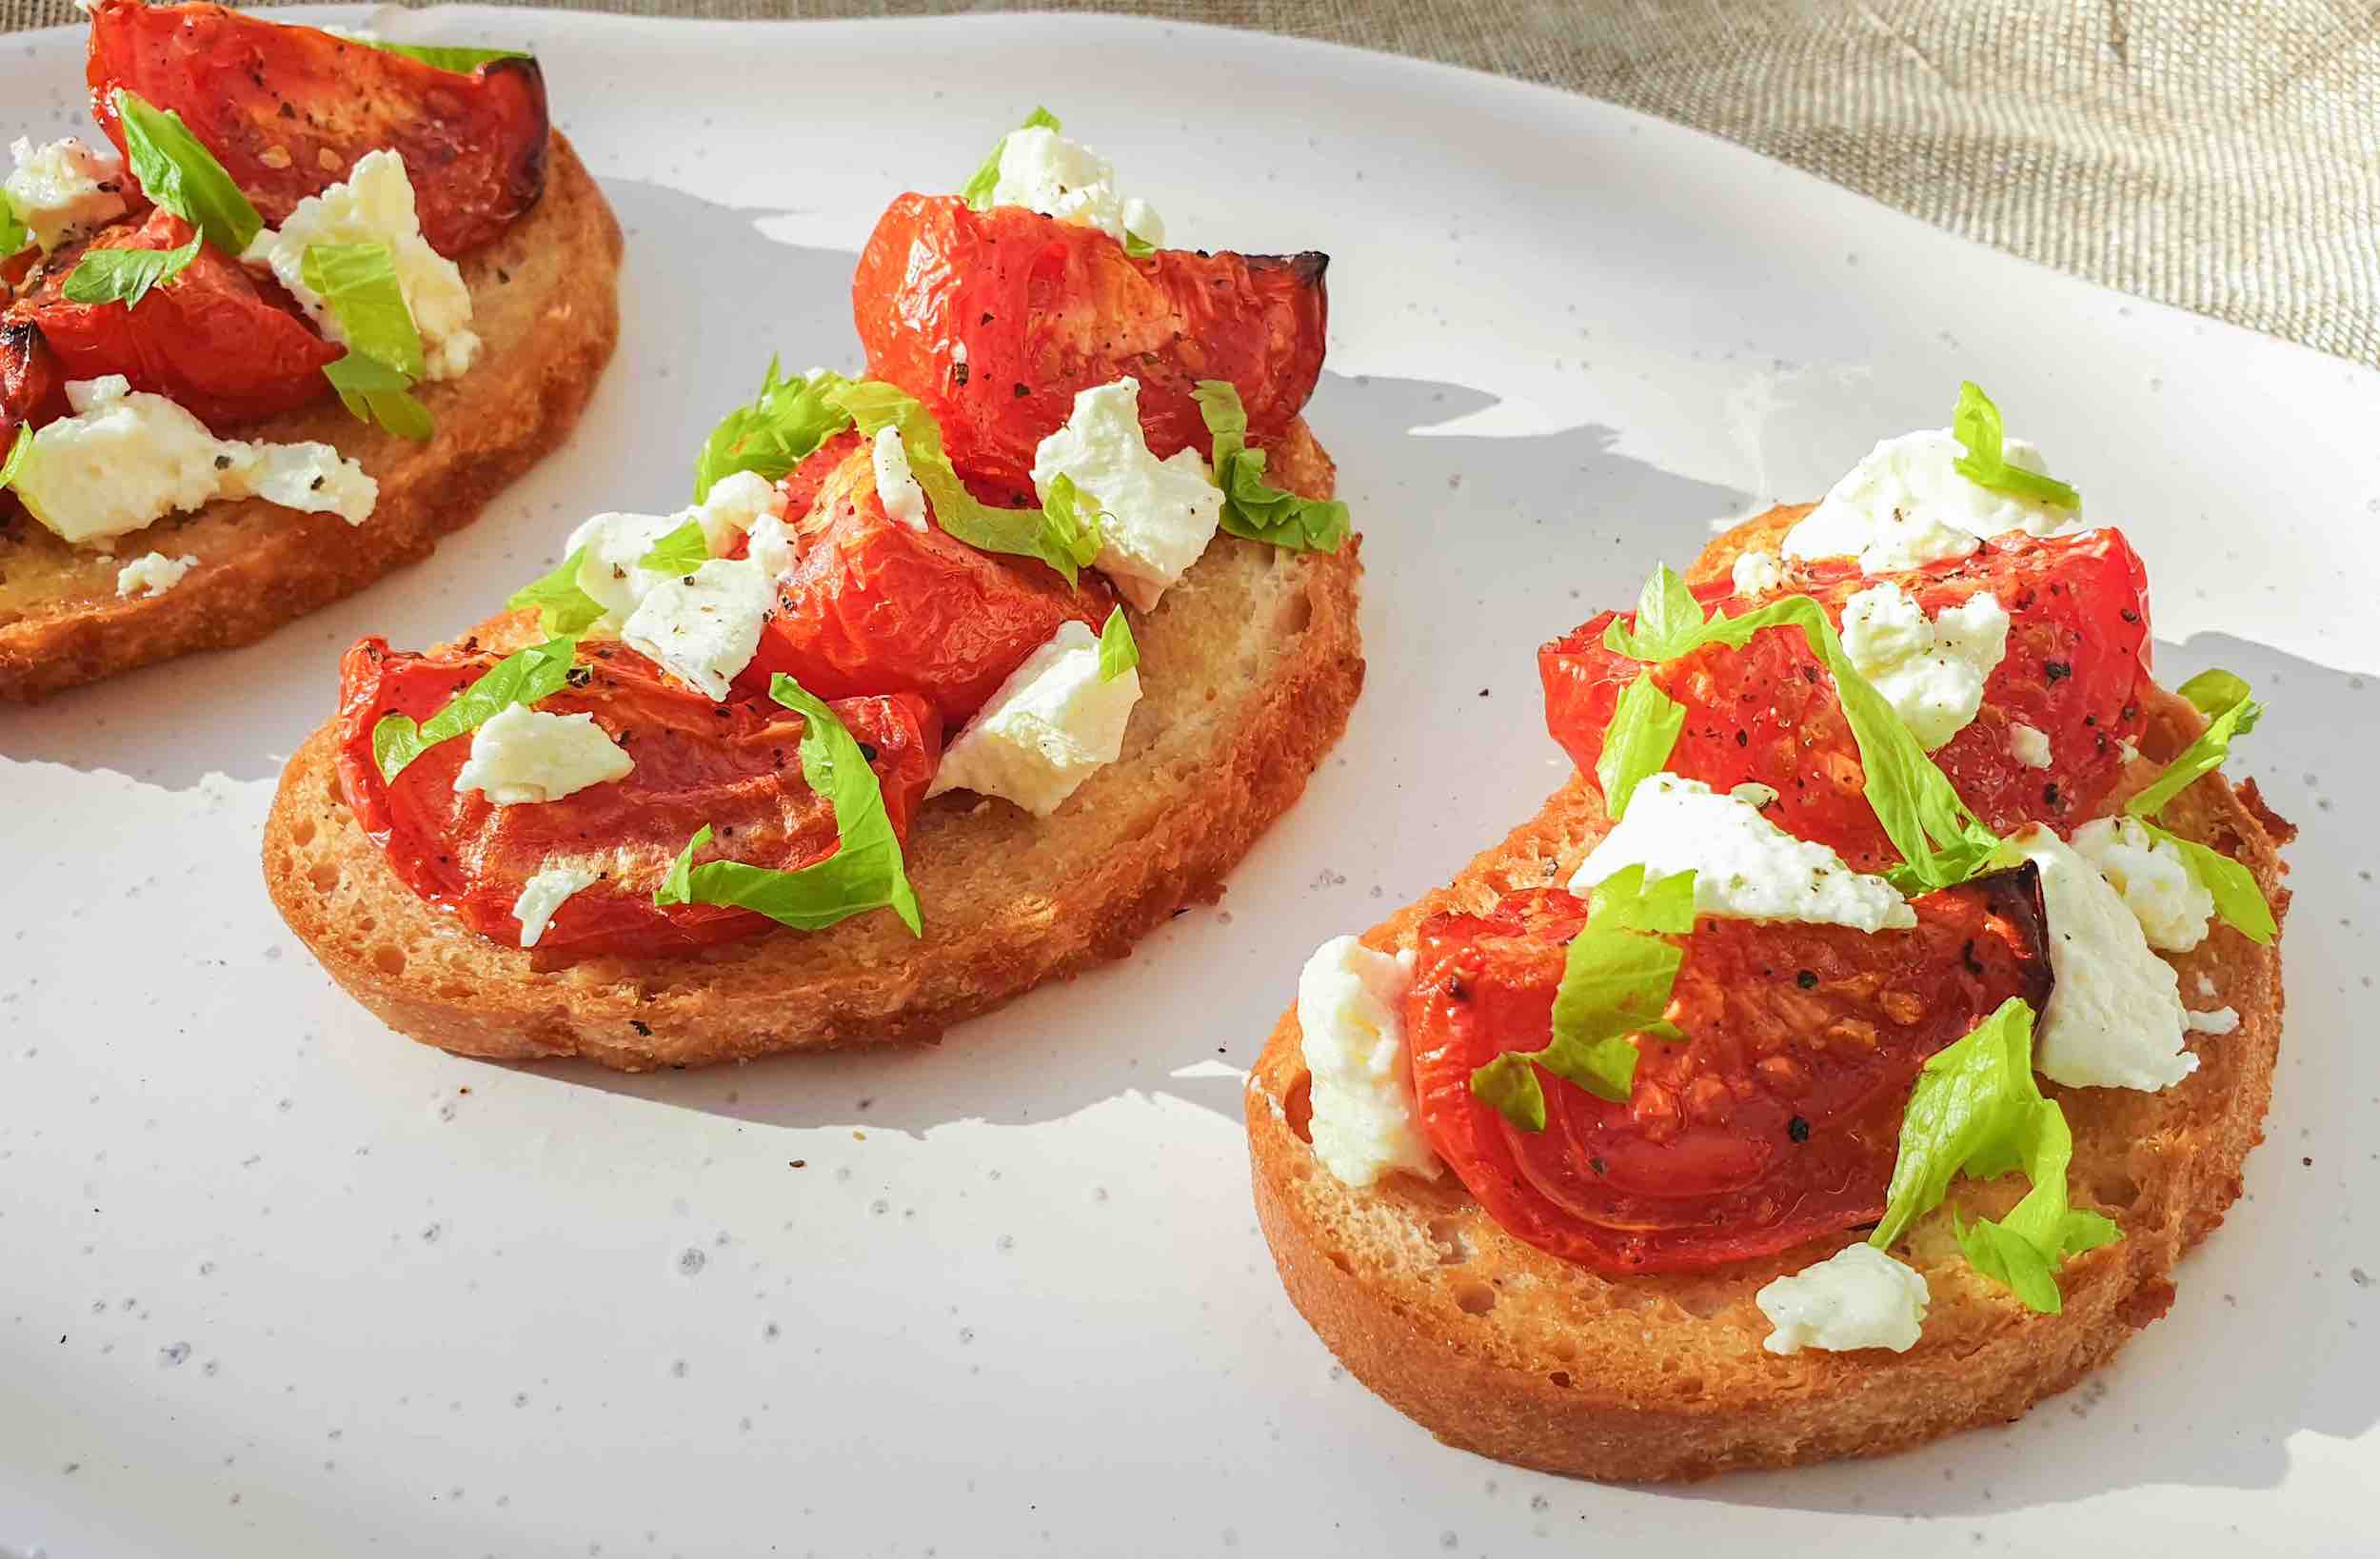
x=957 y=677
x=305 y=306
x=1846 y=1055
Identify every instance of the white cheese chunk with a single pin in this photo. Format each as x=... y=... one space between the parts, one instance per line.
x=1859 y=1297
x=611 y=571
x=1154 y=516
x=895 y=484
x=1931 y=673
x=2115 y=1018
x=1745 y=867
x=1756 y=573
x=2221 y=1021
x=546 y=892
x=2027 y=746
x=1047 y=728
x=1043 y=172
x=152 y=574
x=1907 y=505
x=64 y=191
x=127 y=458
x=705 y=626
x=2154 y=877
x=374 y=205
x=773 y=550
x=1350 y=1010
x=522 y=756
x=737 y=501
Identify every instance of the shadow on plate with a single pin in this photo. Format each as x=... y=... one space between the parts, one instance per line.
x=241 y=712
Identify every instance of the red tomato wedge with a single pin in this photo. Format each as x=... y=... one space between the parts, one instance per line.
x=995 y=319
x=1775 y=1123
x=288 y=110
x=735 y=767
x=873 y=606
x=228 y=349
x=33 y=391
x=2076 y=669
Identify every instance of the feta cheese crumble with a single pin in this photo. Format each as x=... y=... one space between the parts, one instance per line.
x=1931 y=673
x=612 y=570
x=2221 y=1021
x=64 y=191
x=895 y=484
x=1154 y=516
x=1907 y=505
x=703 y=627
x=1047 y=728
x=1350 y=1012
x=1043 y=172
x=1745 y=867
x=1859 y=1297
x=2027 y=746
x=546 y=891
x=152 y=574
x=2115 y=1018
x=1756 y=572
x=2154 y=878
x=127 y=458
x=375 y=205
x=522 y=756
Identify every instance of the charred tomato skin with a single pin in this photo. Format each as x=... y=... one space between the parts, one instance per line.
x=995 y=319
x=2076 y=669
x=287 y=110
x=1777 y=1121
x=873 y=606
x=32 y=390
x=735 y=767
x=230 y=349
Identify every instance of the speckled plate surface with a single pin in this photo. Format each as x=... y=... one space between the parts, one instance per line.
x=276 y=1282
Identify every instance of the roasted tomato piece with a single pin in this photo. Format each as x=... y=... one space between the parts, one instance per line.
x=2077 y=670
x=735 y=767
x=995 y=319
x=1775 y=1122
x=288 y=110
x=870 y=605
x=33 y=391
x=230 y=350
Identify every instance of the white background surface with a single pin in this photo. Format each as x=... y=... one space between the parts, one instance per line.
x=276 y=1282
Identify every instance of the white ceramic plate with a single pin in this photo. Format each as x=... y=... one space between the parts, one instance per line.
x=276 y=1282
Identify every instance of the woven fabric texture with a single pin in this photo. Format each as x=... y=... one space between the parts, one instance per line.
x=2223 y=155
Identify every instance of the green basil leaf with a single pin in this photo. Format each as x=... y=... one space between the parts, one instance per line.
x=864 y=873
x=1060 y=540
x=19 y=453
x=180 y=174
x=460 y=60
x=2026 y=1249
x=977 y=192
x=125 y=276
x=682 y=551
x=1136 y=246
x=1644 y=728
x=1119 y=651
x=561 y=605
x=1942 y=842
x=522 y=676
x=374 y=392
x=1976 y=425
x=1253 y=508
x=780 y=428
x=358 y=284
x=2222 y=696
x=2238 y=899
x=1617 y=975
x=15 y=236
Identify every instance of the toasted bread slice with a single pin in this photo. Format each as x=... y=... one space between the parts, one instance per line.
x=1248 y=668
x=1500 y=1347
x=545 y=303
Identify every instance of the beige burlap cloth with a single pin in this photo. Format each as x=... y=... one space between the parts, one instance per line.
x=2223 y=155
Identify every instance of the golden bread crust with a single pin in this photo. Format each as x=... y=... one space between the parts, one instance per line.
x=545 y=305
x=1249 y=667
x=1497 y=1346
